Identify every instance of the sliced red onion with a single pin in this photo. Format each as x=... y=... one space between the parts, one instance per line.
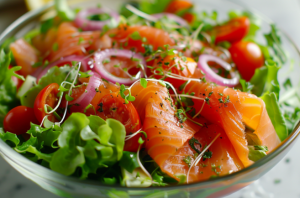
x=174 y=17
x=79 y=104
x=83 y=22
x=99 y=67
x=40 y=72
x=212 y=76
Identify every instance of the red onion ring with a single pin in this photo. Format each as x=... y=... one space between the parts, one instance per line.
x=89 y=25
x=86 y=97
x=212 y=76
x=99 y=67
x=40 y=72
x=174 y=17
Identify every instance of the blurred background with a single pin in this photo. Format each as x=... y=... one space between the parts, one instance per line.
x=282 y=181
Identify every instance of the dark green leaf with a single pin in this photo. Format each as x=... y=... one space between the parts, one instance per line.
x=129 y=161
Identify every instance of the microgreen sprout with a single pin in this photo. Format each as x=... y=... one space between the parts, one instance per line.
x=197 y=160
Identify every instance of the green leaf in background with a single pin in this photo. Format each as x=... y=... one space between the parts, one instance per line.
x=275 y=115
x=64 y=11
x=155 y=6
x=129 y=161
x=54 y=75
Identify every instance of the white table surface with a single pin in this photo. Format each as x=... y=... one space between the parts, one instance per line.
x=283 y=181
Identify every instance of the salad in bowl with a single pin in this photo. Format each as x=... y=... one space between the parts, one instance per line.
x=154 y=95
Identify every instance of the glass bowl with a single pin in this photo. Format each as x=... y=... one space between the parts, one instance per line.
x=73 y=187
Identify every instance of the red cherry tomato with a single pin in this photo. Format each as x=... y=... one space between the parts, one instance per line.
x=113 y=106
x=176 y=6
x=234 y=30
x=47 y=96
x=247 y=56
x=18 y=120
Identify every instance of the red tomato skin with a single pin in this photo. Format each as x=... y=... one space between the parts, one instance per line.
x=247 y=56
x=125 y=113
x=234 y=30
x=47 y=96
x=18 y=120
x=176 y=6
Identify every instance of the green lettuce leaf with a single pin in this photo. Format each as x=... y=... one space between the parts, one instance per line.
x=9 y=138
x=129 y=161
x=81 y=145
x=265 y=79
x=257 y=152
x=54 y=75
x=275 y=115
x=8 y=90
x=48 y=136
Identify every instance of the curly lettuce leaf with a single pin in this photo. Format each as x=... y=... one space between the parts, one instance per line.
x=10 y=138
x=81 y=145
x=8 y=90
x=275 y=115
x=54 y=75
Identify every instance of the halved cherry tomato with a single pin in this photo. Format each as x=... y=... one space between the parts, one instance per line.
x=247 y=56
x=176 y=66
x=18 y=120
x=234 y=30
x=176 y=6
x=47 y=96
x=113 y=106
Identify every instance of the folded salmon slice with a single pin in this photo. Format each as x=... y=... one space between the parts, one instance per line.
x=165 y=133
x=235 y=111
x=223 y=161
x=25 y=56
x=71 y=42
x=138 y=36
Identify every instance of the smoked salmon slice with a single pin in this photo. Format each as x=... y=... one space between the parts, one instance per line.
x=223 y=161
x=70 y=41
x=235 y=111
x=25 y=56
x=165 y=133
x=132 y=37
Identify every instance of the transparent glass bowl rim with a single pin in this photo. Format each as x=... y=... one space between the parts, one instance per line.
x=13 y=155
